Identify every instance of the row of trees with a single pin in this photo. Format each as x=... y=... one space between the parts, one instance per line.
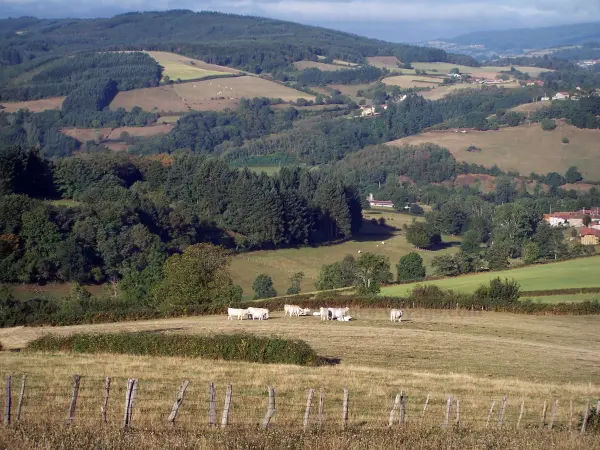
x=317 y=77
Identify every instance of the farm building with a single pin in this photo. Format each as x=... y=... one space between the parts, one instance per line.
x=589 y=236
x=379 y=203
x=571 y=219
x=561 y=96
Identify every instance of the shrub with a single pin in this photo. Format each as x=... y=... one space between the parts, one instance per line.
x=499 y=292
x=548 y=124
x=473 y=148
x=565 y=140
x=228 y=347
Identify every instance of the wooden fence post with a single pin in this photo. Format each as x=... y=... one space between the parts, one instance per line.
x=311 y=393
x=270 y=409
x=457 y=419
x=345 y=410
x=501 y=414
x=570 y=415
x=212 y=406
x=585 y=416
x=8 y=400
x=393 y=411
x=104 y=408
x=76 y=381
x=131 y=400
x=425 y=407
x=521 y=412
x=21 y=396
x=490 y=413
x=448 y=408
x=178 y=402
x=225 y=418
x=553 y=415
x=543 y=420
x=402 y=408
x=321 y=406
x=127 y=400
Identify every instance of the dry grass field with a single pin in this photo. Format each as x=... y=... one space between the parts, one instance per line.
x=524 y=149
x=384 y=62
x=156 y=99
x=483 y=72
x=184 y=68
x=412 y=81
x=35 y=106
x=442 y=91
x=531 y=107
x=217 y=94
x=114 y=134
x=303 y=65
x=281 y=264
x=168 y=119
x=474 y=356
x=87 y=134
x=351 y=90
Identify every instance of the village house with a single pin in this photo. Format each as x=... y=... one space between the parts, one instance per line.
x=572 y=219
x=367 y=111
x=379 y=203
x=561 y=96
x=589 y=236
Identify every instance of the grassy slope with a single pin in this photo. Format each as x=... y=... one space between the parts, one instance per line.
x=584 y=272
x=526 y=148
x=281 y=264
x=477 y=356
x=184 y=68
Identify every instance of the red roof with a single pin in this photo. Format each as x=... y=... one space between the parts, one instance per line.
x=589 y=232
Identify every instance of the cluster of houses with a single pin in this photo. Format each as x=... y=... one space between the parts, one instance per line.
x=367 y=111
x=588 y=63
x=589 y=234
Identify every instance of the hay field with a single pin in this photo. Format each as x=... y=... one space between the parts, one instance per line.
x=576 y=273
x=181 y=67
x=34 y=106
x=303 y=65
x=442 y=91
x=531 y=107
x=477 y=357
x=150 y=130
x=351 y=90
x=525 y=149
x=412 y=81
x=156 y=99
x=281 y=264
x=483 y=72
x=385 y=62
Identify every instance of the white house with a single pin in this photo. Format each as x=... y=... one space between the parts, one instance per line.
x=379 y=203
x=561 y=96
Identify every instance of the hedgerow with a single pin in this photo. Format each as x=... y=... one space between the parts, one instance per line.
x=228 y=347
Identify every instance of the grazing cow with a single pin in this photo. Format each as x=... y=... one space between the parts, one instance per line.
x=324 y=313
x=237 y=313
x=286 y=310
x=292 y=310
x=336 y=313
x=258 y=313
x=396 y=315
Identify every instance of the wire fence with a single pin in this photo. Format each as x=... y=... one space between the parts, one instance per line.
x=154 y=404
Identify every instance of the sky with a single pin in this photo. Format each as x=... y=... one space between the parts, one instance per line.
x=393 y=20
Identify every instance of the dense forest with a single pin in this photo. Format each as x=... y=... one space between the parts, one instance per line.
x=130 y=213
x=64 y=76
x=250 y=43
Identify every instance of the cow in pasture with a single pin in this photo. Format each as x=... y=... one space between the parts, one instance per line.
x=258 y=313
x=292 y=310
x=237 y=313
x=337 y=313
x=305 y=312
x=396 y=315
x=324 y=313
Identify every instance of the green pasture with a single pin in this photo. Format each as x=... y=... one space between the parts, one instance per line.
x=576 y=273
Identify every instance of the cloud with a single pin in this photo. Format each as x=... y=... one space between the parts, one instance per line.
x=374 y=16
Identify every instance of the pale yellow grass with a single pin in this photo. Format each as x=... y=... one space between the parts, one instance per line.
x=531 y=107
x=483 y=72
x=412 y=81
x=168 y=119
x=442 y=91
x=475 y=356
x=281 y=264
x=156 y=99
x=351 y=90
x=184 y=68
x=525 y=149
x=35 y=106
x=383 y=62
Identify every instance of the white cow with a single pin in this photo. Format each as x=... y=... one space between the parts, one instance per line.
x=258 y=313
x=237 y=313
x=396 y=315
x=324 y=313
x=305 y=312
x=337 y=313
x=292 y=310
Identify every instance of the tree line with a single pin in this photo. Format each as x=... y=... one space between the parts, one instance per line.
x=131 y=213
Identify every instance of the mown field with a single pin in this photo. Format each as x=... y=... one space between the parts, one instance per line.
x=577 y=273
x=482 y=72
x=476 y=357
x=525 y=149
x=183 y=68
x=303 y=65
x=35 y=106
x=412 y=81
x=217 y=94
x=281 y=264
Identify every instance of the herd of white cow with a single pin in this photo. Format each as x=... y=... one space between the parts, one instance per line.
x=340 y=314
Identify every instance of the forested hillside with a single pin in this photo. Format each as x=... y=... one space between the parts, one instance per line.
x=249 y=43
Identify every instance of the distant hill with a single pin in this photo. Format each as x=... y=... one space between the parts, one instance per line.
x=521 y=39
x=253 y=44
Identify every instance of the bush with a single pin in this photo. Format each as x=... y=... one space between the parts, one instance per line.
x=228 y=347
x=548 y=124
x=499 y=292
x=565 y=140
x=473 y=148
